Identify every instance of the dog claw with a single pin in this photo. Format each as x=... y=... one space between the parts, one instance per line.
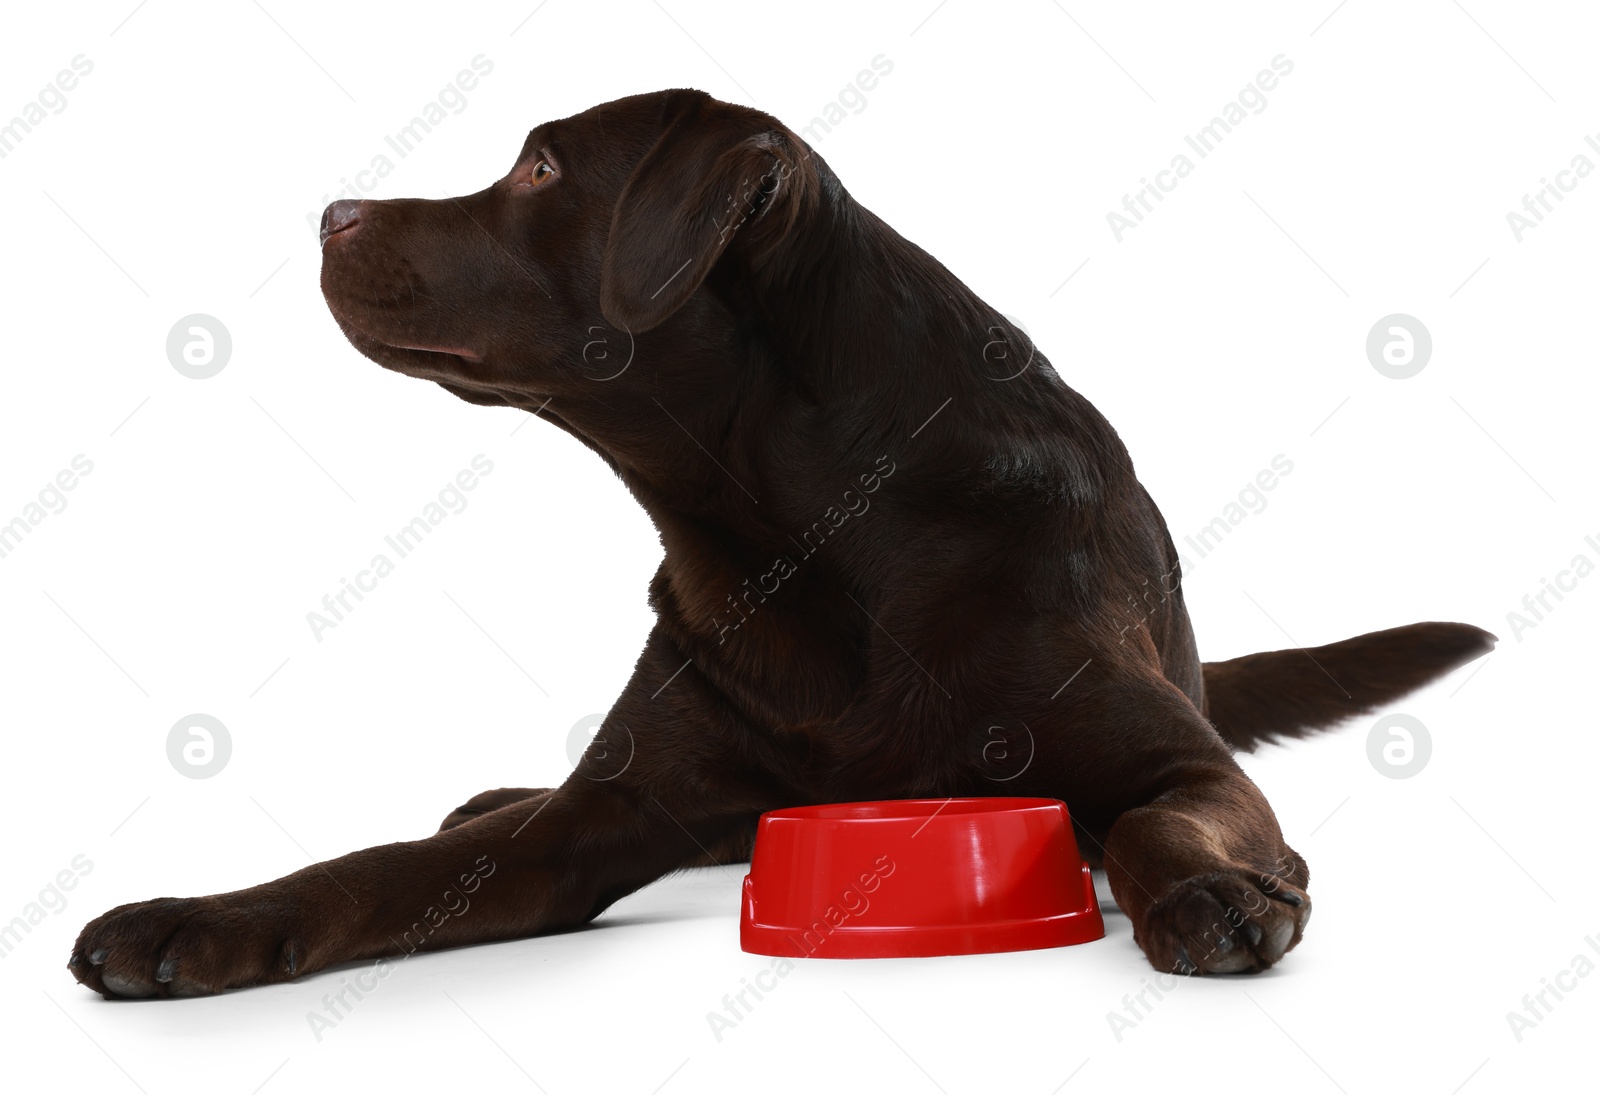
x=1253 y=930
x=122 y=986
x=165 y=971
x=291 y=958
x=1184 y=965
x=98 y=957
x=1290 y=897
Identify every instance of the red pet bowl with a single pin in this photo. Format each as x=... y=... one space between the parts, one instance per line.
x=917 y=877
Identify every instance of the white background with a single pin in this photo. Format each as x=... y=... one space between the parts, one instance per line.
x=1224 y=330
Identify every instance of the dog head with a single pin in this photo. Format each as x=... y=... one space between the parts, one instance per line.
x=607 y=227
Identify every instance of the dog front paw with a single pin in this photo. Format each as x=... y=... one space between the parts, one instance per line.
x=1229 y=921
x=188 y=946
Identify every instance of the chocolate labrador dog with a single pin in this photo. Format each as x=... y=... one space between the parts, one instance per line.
x=892 y=534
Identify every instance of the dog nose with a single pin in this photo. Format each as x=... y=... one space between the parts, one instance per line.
x=339 y=216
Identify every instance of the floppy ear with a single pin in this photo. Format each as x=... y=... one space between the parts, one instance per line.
x=709 y=184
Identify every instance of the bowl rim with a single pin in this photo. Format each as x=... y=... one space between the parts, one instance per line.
x=910 y=809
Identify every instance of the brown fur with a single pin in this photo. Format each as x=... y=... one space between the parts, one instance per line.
x=892 y=536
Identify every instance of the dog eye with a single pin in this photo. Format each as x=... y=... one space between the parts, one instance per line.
x=541 y=171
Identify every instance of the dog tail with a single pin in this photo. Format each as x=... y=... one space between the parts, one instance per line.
x=1290 y=693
